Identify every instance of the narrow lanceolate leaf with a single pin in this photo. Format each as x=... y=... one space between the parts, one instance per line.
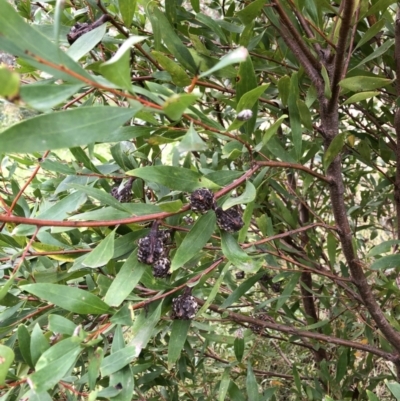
x=247 y=196
x=287 y=292
x=362 y=83
x=9 y=82
x=86 y=42
x=143 y=328
x=191 y=141
x=176 y=178
x=242 y=289
x=178 y=74
x=125 y=281
x=251 y=384
x=45 y=96
x=394 y=388
x=118 y=69
x=179 y=331
x=237 y=256
x=215 y=289
x=127 y=10
x=102 y=253
x=334 y=149
x=176 y=105
x=64 y=129
x=247 y=81
x=224 y=384
x=387 y=262
x=69 y=298
x=237 y=56
x=16 y=37
x=195 y=240
x=294 y=115
x=6 y=359
x=54 y=364
x=95 y=359
x=117 y=360
x=172 y=40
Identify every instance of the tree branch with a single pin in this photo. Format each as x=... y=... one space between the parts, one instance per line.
x=397 y=121
x=338 y=61
x=241 y=319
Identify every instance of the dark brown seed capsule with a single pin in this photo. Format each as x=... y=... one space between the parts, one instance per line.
x=201 y=200
x=124 y=194
x=240 y=275
x=161 y=267
x=184 y=307
x=150 y=250
x=229 y=220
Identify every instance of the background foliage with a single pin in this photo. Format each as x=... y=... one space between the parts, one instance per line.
x=302 y=302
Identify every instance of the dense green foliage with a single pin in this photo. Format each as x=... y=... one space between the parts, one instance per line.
x=288 y=112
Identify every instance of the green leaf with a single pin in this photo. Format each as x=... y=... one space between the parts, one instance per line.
x=250 y=12
x=213 y=293
x=118 y=69
x=171 y=39
x=24 y=342
x=95 y=360
x=64 y=129
x=372 y=396
x=383 y=247
x=125 y=281
x=247 y=101
x=102 y=253
x=178 y=74
x=192 y=142
x=284 y=89
x=179 y=332
x=61 y=325
x=238 y=347
x=237 y=56
x=247 y=196
x=342 y=363
x=305 y=115
x=127 y=11
x=327 y=83
x=195 y=240
x=359 y=97
x=177 y=178
x=117 y=360
x=102 y=196
x=6 y=359
x=377 y=53
x=251 y=384
x=270 y=132
x=9 y=82
x=86 y=42
x=224 y=384
x=294 y=115
x=363 y=83
x=394 y=388
x=69 y=298
x=54 y=364
x=246 y=82
x=386 y=262
x=334 y=149
x=16 y=36
x=287 y=292
x=214 y=27
x=242 y=289
x=236 y=255
x=331 y=245
x=45 y=96
x=38 y=345
x=143 y=328
x=8 y=284
x=371 y=32
x=176 y=105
